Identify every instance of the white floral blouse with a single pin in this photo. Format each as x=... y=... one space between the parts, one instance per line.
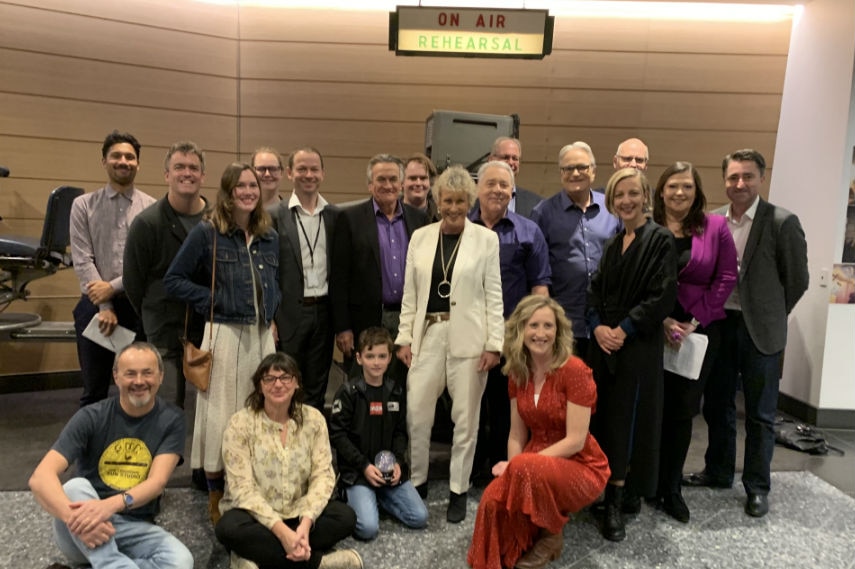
x=275 y=482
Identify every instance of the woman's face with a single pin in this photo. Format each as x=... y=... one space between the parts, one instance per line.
x=278 y=387
x=539 y=333
x=453 y=207
x=628 y=201
x=679 y=194
x=246 y=194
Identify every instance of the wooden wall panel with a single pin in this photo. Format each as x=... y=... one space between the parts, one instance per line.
x=233 y=77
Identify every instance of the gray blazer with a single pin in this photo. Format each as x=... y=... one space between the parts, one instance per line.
x=291 y=264
x=773 y=275
x=525 y=202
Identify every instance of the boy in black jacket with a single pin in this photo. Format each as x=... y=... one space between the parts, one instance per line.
x=369 y=416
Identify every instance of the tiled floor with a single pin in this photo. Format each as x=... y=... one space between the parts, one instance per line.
x=811 y=523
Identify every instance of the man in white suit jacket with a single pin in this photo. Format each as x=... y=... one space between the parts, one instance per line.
x=451 y=329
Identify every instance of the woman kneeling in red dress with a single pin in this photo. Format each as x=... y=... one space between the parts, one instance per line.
x=554 y=467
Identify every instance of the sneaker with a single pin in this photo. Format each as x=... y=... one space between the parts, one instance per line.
x=456 y=508
x=341 y=559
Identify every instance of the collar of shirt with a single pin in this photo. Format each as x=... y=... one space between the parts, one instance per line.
x=749 y=213
x=475 y=217
x=399 y=209
x=112 y=193
x=294 y=201
x=567 y=203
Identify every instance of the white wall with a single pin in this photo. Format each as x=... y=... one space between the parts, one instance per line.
x=811 y=178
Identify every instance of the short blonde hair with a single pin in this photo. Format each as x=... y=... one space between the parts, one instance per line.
x=620 y=176
x=456 y=179
x=517 y=358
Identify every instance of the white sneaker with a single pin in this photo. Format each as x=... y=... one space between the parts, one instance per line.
x=341 y=559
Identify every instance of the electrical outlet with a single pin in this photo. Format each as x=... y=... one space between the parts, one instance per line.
x=823 y=277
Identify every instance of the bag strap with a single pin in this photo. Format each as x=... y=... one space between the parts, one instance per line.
x=213 y=282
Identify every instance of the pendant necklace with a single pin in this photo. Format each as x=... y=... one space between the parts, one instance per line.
x=443 y=289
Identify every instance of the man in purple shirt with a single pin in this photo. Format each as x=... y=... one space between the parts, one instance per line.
x=369 y=253
x=524 y=265
x=576 y=225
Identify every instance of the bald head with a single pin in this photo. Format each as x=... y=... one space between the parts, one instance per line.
x=631 y=153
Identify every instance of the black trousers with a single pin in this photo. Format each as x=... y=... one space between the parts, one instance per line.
x=238 y=531
x=312 y=346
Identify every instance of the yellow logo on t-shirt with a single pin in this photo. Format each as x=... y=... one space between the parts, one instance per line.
x=124 y=464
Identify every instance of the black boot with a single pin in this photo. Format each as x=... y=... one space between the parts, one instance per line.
x=613 y=527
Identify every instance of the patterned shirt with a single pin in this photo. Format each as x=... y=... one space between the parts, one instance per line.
x=275 y=482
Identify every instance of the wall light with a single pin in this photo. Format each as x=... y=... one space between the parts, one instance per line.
x=625 y=9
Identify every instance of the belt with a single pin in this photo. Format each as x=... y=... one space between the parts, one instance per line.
x=312 y=300
x=392 y=307
x=436 y=317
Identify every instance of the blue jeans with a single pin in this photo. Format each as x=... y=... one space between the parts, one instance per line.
x=137 y=544
x=401 y=501
x=738 y=358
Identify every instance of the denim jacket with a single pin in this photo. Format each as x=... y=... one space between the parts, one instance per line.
x=188 y=278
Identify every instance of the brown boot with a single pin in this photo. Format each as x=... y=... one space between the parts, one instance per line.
x=214 y=497
x=546 y=549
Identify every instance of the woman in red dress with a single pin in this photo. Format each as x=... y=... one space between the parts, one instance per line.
x=559 y=468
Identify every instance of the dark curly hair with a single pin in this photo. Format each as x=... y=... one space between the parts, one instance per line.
x=278 y=361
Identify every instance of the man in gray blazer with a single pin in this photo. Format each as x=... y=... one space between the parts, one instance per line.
x=773 y=275
x=305 y=224
x=509 y=150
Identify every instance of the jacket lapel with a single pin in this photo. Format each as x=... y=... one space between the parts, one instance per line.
x=287 y=217
x=757 y=225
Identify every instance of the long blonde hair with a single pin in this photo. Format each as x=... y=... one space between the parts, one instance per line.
x=517 y=357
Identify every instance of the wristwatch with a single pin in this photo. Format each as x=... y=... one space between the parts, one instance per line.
x=128 y=500
x=695 y=322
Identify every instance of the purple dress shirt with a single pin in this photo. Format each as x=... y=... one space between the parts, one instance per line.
x=393 y=239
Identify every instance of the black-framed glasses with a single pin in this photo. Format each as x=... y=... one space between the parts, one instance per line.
x=581 y=168
x=286 y=379
x=271 y=169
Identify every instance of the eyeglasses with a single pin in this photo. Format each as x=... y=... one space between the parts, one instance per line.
x=271 y=169
x=506 y=157
x=582 y=168
x=286 y=379
x=630 y=159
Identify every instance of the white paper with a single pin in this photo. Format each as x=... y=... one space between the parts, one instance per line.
x=687 y=361
x=120 y=337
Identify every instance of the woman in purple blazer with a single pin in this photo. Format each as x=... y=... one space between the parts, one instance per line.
x=707 y=273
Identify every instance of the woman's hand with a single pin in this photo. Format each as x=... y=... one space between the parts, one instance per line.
x=676 y=332
x=488 y=361
x=274 y=331
x=499 y=468
x=296 y=543
x=405 y=354
x=609 y=339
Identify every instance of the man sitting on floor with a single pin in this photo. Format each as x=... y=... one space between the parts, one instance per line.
x=126 y=448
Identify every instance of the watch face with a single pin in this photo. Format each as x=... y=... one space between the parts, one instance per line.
x=129 y=500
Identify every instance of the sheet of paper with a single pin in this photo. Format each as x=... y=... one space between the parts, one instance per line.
x=120 y=337
x=687 y=361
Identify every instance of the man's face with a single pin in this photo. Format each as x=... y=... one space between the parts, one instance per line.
x=385 y=184
x=577 y=171
x=138 y=378
x=742 y=181
x=509 y=153
x=494 y=192
x=631 y=154
x=416 y=184
x=306 y=173
x=184 y=174
x=121 y=164
x=269 y=172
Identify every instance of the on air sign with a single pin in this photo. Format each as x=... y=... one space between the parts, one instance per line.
x=470 y=32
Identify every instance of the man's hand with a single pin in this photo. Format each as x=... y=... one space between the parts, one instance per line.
x=88 y=515
x=405 y=354
x=488 y=361
x=99 y=292
x=374 y=476
x=344 y=342
x=98 y=536
x=107 y=321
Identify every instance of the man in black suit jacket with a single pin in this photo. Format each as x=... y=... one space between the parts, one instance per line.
x=306 y=223
x=509 y=150
x=368 y=282
x=773 y=275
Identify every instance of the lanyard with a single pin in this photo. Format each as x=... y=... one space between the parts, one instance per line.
x=311 y=246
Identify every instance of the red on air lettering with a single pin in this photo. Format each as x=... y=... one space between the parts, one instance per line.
x=449 y=19
x=493 y=21
x=376 y=408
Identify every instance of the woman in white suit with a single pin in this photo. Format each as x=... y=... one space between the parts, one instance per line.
x=451 y=329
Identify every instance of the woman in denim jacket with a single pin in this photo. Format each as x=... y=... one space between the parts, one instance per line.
x=246 y=294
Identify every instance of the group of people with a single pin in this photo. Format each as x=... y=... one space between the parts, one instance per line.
x=530 y=314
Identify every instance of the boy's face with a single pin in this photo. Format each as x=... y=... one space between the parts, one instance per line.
x=374 y=361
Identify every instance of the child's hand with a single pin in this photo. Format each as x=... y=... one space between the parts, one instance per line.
x=374 y=476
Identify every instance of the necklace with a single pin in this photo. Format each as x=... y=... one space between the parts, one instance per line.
x=443 y=289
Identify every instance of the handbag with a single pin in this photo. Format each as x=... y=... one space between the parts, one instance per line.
x=197 y=363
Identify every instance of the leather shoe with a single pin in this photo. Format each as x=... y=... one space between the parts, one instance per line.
x=674 y=505
x=704 y=479
x=756 y=505
x=548 y=548
x=456 y=508
x=631 y=503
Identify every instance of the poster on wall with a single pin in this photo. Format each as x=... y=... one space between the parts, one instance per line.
x=849 y=235
x=842 y=284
